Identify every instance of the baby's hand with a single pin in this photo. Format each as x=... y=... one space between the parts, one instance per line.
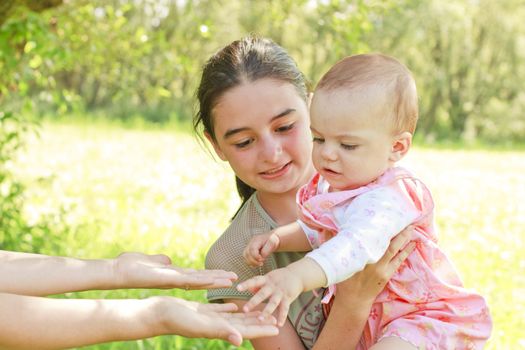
x=260 y=247
x=280 y=287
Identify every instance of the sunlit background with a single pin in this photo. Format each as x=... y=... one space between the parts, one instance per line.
x=97 y=157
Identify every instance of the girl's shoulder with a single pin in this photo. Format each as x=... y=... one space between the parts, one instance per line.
x=226 y=251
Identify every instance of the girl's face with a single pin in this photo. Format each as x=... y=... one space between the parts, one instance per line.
x=262 y=129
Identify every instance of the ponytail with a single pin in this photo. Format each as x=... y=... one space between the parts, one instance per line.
x=244 y=191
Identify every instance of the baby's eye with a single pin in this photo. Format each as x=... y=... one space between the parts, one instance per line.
x=243 y=144
x=348 y=147
x=285 y=127
x=317 y=139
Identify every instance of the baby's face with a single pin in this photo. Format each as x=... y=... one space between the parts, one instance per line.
x=352 y=138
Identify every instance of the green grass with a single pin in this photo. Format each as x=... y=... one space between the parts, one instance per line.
x=159 y=191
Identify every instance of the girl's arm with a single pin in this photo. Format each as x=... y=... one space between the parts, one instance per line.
x=39 y=275
x=286 y=339
x=34 y=322
x=355 y=297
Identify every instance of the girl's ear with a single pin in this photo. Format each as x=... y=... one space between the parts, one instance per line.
x=216 y=147
x=400 y=146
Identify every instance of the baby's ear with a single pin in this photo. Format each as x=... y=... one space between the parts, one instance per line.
x=400 y=146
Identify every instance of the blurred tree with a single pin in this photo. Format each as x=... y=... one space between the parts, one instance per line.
x=24 y=55
x=316 y=33
x=466 y=56
x=142 y=58
x=7 y=6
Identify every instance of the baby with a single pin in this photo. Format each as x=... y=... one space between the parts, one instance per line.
x=363 y=115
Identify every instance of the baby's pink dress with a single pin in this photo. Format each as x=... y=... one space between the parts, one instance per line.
x=425 y=302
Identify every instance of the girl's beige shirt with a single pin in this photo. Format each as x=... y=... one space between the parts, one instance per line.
x=226 y=253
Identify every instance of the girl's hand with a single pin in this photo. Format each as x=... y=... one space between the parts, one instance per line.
x=260 y=247
x=213 y=321
x=280 y=287
x=137 y=270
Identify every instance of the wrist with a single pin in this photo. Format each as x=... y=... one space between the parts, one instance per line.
x=146 y=318
x=112 y=278
x=99 y=274
x=353 y=298
x=309 y=272
x=277 y=239
x=156 y=319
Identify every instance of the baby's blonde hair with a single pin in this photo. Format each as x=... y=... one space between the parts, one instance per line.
x=377 y=70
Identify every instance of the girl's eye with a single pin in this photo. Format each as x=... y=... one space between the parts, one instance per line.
x=318 y=140
x=285 y=127
x=348 y=147
x=243 y=144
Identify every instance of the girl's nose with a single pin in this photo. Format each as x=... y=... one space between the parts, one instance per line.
x=271 y=149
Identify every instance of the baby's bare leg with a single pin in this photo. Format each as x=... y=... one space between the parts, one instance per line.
x=393 y=343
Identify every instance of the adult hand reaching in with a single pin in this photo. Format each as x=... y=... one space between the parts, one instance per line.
x=40 y=275
x=214 y=321
x=47 y=323
x=31 y=321
x=137 y=270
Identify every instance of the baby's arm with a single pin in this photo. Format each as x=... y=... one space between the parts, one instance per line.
x=282 y=286
x=287 y=238
x=367 y=225
x=292 y=238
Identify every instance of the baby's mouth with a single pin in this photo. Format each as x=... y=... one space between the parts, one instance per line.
x=330 y=171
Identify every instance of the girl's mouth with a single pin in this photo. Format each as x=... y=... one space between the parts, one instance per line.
x=276 y=172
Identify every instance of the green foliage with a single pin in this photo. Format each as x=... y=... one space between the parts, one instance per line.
x=16 y=232
x=29 y=55
x=467 y=59
x=142 y=59
x=26 y=62
x=12 y=224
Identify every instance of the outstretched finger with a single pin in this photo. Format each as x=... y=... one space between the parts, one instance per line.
x=283 y=313
x=228 y=307
x=232 y=335
x=216 y=274
x=274 y=302
x=197 y=279
x=247 y=329
x=200 y=282
x=252 y=317
x=257 y=299
x=252 y=331
x=252 y=284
